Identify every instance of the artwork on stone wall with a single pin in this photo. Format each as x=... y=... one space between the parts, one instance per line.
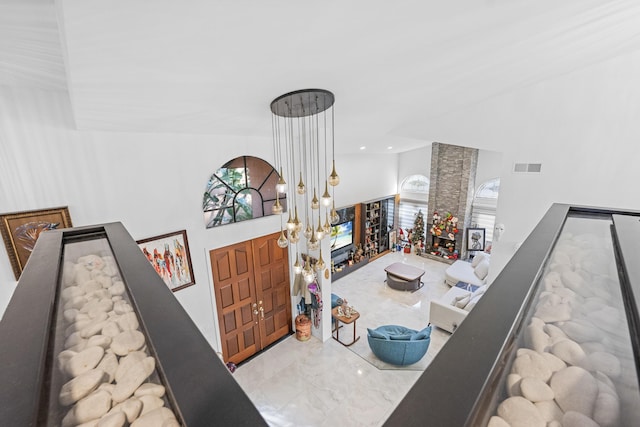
x=20 y=232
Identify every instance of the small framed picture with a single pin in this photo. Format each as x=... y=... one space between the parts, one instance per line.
x=169 y=255
x=475 y=239
x=20 y=231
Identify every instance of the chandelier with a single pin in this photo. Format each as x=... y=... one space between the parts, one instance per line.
x=302 y=125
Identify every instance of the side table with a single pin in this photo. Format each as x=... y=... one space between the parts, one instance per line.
x=346 y=320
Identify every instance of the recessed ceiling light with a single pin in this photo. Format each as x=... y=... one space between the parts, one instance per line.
x=363 y=147
x=389 y=147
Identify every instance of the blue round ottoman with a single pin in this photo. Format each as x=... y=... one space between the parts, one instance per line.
x=399 y=345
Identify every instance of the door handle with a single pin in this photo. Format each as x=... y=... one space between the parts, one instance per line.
x=255 y=310
x=262 y=312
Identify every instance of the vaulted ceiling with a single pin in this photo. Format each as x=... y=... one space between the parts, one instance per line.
x=212 y=67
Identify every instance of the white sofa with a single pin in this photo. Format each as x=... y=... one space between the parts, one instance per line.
x=452 y=308
x=474 y=272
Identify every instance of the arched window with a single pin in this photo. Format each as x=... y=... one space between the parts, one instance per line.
x=243 y=188
x=484 y=206
x=415 y=184
x=414 y=195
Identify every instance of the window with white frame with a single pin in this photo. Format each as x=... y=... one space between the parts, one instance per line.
x=484 y=206
x=414 y=194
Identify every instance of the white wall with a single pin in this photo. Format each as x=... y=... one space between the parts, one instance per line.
x=584 y=129
x=152 y=183
x=489 y=166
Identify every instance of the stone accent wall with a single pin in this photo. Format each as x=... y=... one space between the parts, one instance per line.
x=453 y=178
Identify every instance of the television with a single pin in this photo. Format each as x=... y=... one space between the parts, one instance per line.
x=341 y=235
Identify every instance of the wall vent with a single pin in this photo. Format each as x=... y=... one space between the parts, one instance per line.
x=527 y=167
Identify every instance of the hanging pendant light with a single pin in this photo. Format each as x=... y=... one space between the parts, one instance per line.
x=297 y=222
x=290 y=224
x=326 y=197
x=282 y=240
x=319 y=231
x=294 y=236
x=276 y=209
x=315 y=203
x=327 y=224
x=297 y=267
x=313 y=244
x=301 y=189
x=320 y=265
x=281 y=186
x=308 y=231
x=334 y=179
x=307 y=272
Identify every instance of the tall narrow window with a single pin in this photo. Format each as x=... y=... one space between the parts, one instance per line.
x=242 y=189
x=484 y=206
x=414 y=195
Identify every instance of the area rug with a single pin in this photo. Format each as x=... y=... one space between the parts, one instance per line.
x=378 y=305
x=361 y=348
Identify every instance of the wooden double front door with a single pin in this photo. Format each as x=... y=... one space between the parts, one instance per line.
x=251 y=283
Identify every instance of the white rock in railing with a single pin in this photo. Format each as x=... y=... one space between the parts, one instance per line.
x=105 y=281
x=549 y=410
x=111 y=329
x=496 y=421
x=100 y=340
x=535 y=338
x=71 y=292
x=531 y=364
x=554 y=362
x=132 y=378
x=535 y=390
x=92 y=407
x=109 y=364
x=81 y=274
x=570 y=352
x=128 y=321
x=84 y=361
x=150 y=388
x=158 y=417
x=150 y=402
x=519 y=412
x=513 y=385
x=126 y=342
x=117 y=288
x=577 y=419
x=115 y=419
x=80 y=386
x=130 y=407
x=63 y=358
x=575 y=390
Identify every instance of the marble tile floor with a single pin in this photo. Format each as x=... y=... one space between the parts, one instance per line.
x=320 y=384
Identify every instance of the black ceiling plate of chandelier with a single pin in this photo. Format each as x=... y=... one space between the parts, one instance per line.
x=302 y=103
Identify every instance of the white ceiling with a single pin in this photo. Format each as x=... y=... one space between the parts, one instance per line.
x=213 y=67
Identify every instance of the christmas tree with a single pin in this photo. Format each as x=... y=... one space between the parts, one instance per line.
x=418 y=232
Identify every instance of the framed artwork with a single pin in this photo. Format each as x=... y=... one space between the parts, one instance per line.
x=20 y=231
x=475 y=239
x=169 y=255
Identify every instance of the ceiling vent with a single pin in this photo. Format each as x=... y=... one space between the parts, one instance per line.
x=527 y=167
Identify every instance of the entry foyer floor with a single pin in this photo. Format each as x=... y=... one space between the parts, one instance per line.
x=320 y=384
